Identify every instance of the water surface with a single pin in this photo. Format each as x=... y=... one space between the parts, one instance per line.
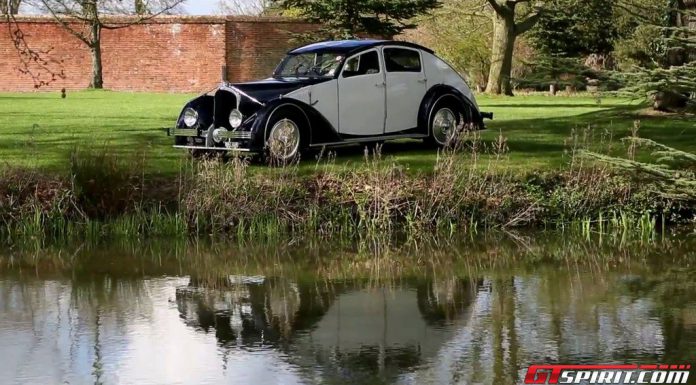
x=469 y=312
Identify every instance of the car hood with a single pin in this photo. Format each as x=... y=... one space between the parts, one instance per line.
x=269 y=89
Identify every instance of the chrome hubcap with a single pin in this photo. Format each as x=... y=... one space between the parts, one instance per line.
x=284 y=140
x=444 y=126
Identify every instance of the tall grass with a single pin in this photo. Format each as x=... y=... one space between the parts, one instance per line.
x=108 y=195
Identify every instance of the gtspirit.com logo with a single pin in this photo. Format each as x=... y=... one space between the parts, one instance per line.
x=607 y=374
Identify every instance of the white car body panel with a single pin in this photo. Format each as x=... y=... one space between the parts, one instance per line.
x=405 y=93
x=362 y=102
x=438 y=71
x=322 y=97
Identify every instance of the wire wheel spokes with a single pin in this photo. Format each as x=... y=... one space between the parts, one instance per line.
x=284 y=140
x=444 y=126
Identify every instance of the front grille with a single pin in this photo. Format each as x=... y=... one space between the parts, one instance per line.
x=244 y=135
x=225 y=102
x=240 y=135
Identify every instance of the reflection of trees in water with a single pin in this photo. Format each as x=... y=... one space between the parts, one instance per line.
x=55 y=321
x=674 y=289
x=577 y=305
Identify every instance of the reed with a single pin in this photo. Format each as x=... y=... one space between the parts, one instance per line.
x=109 y=196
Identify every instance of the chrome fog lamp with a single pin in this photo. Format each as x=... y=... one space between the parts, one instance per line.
x=236 y=118
x=190 y=117
x=218 y=134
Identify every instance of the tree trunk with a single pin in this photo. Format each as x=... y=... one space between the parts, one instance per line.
x=501 y=60
x=9 y=7
x=97 y=73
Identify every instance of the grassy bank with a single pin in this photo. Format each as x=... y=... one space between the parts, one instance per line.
x=39 y=130
x=99 y=164
x=470 y=188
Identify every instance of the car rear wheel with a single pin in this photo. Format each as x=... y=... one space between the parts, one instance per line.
x=445 y=123
x=444 y=126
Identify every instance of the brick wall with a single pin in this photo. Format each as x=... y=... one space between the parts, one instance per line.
x=255 y=46
x=171 y=53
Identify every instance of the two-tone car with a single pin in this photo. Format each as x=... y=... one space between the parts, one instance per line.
x=334 y=93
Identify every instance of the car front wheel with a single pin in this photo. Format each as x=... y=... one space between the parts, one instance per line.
x=284 y=139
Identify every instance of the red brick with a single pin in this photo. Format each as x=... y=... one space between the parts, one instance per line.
x=169 y=53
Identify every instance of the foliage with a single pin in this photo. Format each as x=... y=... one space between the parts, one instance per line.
x=345 y=19
x=574 y=28
x=661 y=63
x=461 y=33
x=104 y=184
x=672 y=172
x=465 y=192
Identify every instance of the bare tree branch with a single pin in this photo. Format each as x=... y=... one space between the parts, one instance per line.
x=83 y=19
x=243 y=7
x=32 y=62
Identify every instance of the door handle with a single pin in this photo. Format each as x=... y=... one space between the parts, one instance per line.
x=422 y=81
x=380 y=85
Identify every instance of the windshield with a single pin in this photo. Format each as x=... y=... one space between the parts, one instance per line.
x=320 y=64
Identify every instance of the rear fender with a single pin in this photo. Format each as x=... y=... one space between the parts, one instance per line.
x=438 y=94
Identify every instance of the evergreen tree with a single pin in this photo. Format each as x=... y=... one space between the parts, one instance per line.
x=352 y=18
x=666 y=69
x=574 y=28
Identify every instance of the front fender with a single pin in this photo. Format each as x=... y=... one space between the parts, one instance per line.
x=318 y=127
x=205 y=106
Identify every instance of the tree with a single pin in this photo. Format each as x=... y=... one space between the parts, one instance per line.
x=575 y=28
x=352 y=18
x=507 y=27
x=9 y=7
x=461 y=33
x=85 y=20
x=664 y=55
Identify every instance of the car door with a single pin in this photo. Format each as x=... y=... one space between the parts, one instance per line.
x=406 y=87
x=362 y=95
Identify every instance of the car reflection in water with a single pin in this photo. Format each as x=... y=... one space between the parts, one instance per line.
x=347 y=330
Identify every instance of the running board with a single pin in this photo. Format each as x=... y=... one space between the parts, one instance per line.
x=371 y=139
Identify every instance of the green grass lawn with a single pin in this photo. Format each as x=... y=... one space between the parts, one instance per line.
x=40 y=129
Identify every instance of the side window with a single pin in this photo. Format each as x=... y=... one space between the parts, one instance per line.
x=365 y=64
x=402 y=60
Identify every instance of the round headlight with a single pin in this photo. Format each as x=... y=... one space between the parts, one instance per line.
x=190 y=117
x=236 y=118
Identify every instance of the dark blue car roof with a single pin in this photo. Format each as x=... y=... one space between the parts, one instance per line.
x=349 y=46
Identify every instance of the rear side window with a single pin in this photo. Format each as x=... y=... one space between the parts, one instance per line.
x=365 y=64
x=402 y=60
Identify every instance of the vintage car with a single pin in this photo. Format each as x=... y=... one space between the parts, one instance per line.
x=330 y=94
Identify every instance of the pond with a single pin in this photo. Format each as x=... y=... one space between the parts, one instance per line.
x=476 y=311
